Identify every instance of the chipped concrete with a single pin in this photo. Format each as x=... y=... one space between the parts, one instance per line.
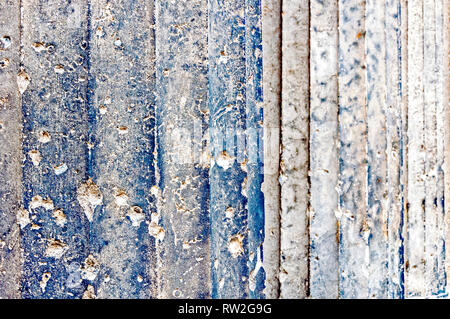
x=210 y=149
x=23 y=80
x=89 y=196
x=55 y=249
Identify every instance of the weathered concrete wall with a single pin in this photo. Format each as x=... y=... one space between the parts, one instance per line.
x=53 y=83
x=182 y=122
x=10 y=152
x=224 y=149
x=294 y=163
x=271 y=30
x=324 y=167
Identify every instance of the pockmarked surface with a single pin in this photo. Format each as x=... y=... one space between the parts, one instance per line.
x=224 y=149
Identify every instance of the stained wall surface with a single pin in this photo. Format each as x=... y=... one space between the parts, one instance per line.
x=224 y=149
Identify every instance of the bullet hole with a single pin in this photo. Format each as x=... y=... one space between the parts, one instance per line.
x=235 y=246
x=224 y=160
x=107 y=100
x=99 y=32
x=4 y=63
x=91 y=267
x=51 y=48
x=83 y=45
x=136 y=215
x=156 y=231
x=118 y=42
x=89 y=196
x=35 y=157
x=60 y=217
x=39 y=46
x=44 y=137
x=102 y=109
x=5 y=42
x=79 y=60
x=121 y=198
x=59 y=69
x=177 y=293
x=44 y=279
x=55 y=249
x=229 y=212
x=123 y=130
x=89 y=293
x=23 y=80
x=60 y=169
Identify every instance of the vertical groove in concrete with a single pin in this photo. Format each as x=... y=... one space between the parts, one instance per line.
x=415 y=275
x=324 y=275
x=271 y=36
x=434 y=232
x=441 y=68
x=228 y=178
x=121 y=147
x=295 y=153
x=445 y=82
x=53 y=86
x=182 y=138
x=10 y=151
x=254 y=145
x=395 y=112
x=377 y=166
x=430 y=178
x=131 y=149
x=354 y=229
x=442 y=71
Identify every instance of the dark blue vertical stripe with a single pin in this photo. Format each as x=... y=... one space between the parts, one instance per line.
x=228 y=179
x=255 y=162
x=54 y=105
x=121 y=158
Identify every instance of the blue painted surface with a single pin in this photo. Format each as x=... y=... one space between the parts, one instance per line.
x=182 y=140
x=255 y=162
x=227 y=77
x=53 y=103
x=396 y=129
x=123 y=143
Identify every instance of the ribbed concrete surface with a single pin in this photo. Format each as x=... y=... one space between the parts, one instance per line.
x=224 y=149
